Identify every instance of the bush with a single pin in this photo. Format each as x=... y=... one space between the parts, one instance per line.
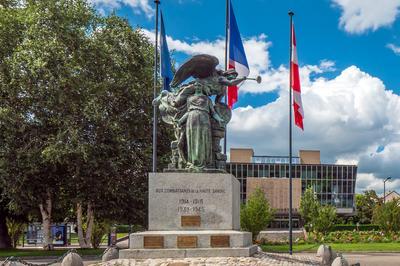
x=125 y=228
x=256 y=214
x=15 y=230
x=308 y=206
x=316 y=217
x=98 y=232
x=324 y=221
x=387 y=216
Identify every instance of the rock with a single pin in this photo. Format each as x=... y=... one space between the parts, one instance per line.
x=259 y=249
x=326 y=254
x=110 y=254
x=340 y=261
x=72 y=259
x=124 y=244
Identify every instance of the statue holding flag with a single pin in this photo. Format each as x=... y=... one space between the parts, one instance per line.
x=198 y=122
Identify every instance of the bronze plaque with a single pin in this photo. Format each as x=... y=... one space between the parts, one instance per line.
x=187 y=241
x=190 y=221
x=220 y=241
x=153 y=242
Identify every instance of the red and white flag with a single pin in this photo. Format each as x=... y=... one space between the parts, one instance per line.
x=295 y=77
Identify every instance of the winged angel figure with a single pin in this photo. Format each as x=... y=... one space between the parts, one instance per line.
x=199 y=123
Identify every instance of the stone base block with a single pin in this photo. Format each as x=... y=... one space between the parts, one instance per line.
x=189 y=243
x=201 y=239
x=187 y=253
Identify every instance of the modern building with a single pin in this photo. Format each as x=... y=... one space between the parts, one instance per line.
x=333 y=184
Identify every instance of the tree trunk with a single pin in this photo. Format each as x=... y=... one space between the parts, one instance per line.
x=90 y=222
x=84 y=236
x=5 y=240
x=45 y=210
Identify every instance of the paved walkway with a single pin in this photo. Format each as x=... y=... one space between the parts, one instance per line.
x=260 y=259
x=374 y=259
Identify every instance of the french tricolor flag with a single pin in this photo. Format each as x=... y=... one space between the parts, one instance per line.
x=237 y=56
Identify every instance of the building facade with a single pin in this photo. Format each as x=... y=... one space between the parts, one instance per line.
x=391 y=195
x=333 y=184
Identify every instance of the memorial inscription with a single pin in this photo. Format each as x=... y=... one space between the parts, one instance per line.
x=153 y=242
x=220 y=241
x=186 y=241
x=190 y=221
x=187 y=205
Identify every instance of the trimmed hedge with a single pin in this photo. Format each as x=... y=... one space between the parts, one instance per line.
x=125 y=228
x=351 y=227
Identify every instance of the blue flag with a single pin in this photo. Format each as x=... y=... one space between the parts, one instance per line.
x=166 y=71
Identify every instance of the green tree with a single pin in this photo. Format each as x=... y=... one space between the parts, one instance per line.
x=325 y=219
x=365 y=205
x=75 y=116
x=256 y=214
x=308 y=206
x=387 y=216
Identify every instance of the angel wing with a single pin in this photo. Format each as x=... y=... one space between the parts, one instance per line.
x=199 y=66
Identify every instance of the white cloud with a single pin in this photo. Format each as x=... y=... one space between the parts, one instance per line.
x=346 y=117
x=370 y=181
x=256 y=48
x=394 y=48
x=138 y=6
x=359 y=16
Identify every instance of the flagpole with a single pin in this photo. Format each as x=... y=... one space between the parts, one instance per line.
x=226 y=62
x=155 y=120
x=291 y=14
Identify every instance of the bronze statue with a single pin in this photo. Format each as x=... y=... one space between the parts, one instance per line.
x=199 y=124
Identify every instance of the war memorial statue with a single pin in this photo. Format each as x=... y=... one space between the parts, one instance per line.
x=194 y=206
x=199 y=123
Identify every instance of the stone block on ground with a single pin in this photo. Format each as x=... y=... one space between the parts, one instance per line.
x=326 y=254
x=340 y=261
x=110 y=254
x=72 y=259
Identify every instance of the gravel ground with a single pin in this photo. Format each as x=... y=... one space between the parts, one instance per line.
x=259 y=259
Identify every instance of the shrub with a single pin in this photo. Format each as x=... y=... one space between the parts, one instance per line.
x=15 y=230
x=125 y=228
x=387 y=216
x=256 y=214
x=98 y=232
x=325 y=219
x=308 y=206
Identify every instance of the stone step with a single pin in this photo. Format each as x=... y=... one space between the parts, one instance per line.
x=187 y=252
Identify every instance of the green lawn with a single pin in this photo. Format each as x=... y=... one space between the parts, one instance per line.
x=339 y=247
x=4 y=253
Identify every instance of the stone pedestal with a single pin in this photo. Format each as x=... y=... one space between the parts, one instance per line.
x=192 y=215
x=209 y=201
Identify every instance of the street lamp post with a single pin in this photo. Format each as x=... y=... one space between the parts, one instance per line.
x=384 y=188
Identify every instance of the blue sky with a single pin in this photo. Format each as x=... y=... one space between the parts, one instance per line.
x=349 y=54
x=317 y=27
